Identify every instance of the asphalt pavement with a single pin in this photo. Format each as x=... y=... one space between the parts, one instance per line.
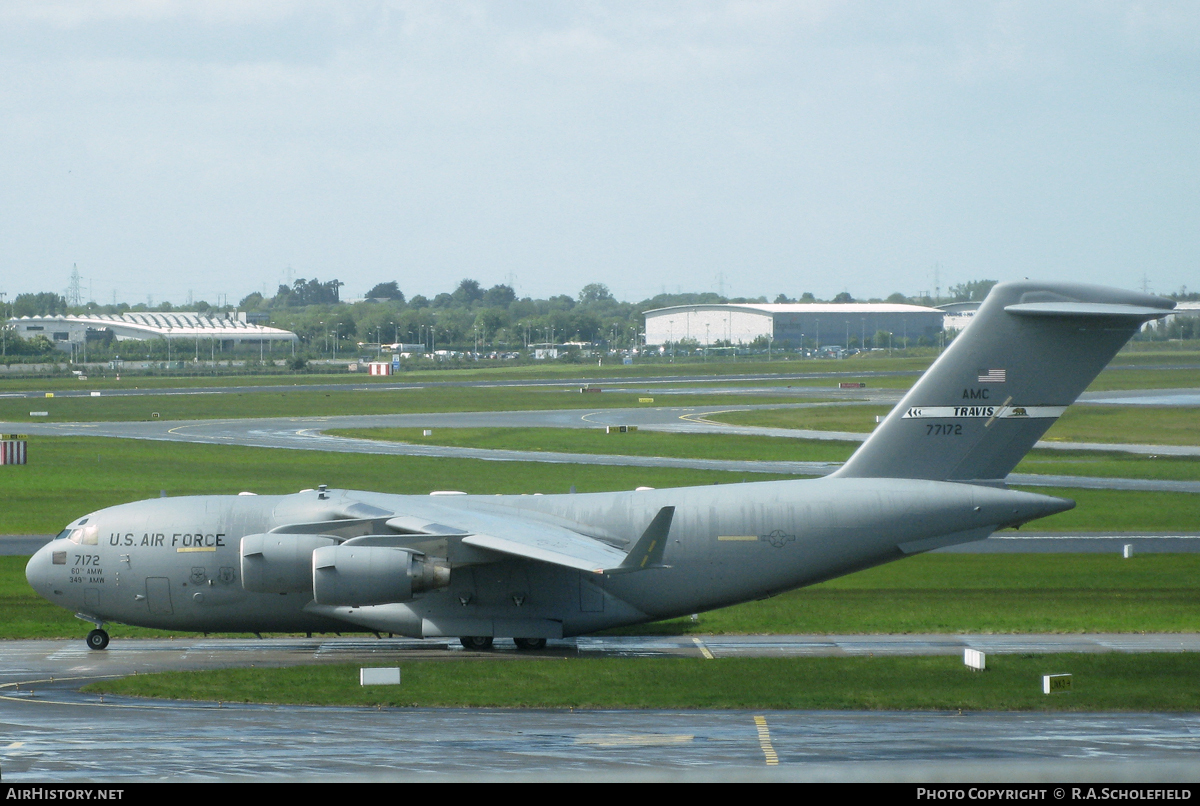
x=54 y=732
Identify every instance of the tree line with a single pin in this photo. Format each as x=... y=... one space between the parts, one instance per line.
x=467 y=317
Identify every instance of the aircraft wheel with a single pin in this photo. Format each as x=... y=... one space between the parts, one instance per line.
x=97 y=639
x=530 y=643
x=476 y=641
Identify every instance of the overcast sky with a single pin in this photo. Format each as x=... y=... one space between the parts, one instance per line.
x=747 y=147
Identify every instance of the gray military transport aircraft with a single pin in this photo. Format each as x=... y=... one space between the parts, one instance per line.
x=533 y=567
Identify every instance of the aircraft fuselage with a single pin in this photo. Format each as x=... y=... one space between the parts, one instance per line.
x=177 y=563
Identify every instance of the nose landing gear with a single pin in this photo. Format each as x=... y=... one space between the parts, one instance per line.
x=97 y=639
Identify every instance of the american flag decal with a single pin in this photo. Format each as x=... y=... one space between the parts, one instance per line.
x=991 y=376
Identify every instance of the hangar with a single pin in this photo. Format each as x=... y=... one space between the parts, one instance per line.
x=66 y=331
x=1185 y=310
x=813 y=323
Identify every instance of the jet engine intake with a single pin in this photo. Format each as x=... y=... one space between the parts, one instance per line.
x=358 y=575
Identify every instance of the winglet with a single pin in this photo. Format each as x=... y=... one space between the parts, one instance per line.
x=648 y=551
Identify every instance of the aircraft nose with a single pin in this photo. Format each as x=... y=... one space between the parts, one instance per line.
x=37 y=571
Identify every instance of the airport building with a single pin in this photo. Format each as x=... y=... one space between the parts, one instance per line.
x=820 y=324
x=67 y=332
x=1185 y=310
x=958 y=314
x=1182 y=323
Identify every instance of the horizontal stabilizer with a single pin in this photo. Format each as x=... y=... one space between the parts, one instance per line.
x=1137 y=313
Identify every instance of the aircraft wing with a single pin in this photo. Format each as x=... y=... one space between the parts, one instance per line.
x=559 y=545
x=545 y=542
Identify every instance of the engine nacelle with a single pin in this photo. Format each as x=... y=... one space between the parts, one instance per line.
x=280 y=563
x=369 y=575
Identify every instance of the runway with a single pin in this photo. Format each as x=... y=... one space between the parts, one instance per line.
x=54 y=733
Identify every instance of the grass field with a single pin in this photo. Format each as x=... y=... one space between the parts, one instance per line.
x=856 y=418
x=1106 y=464
x=931 y=593
x=1160 y=425
x=1111 y=464
x=1149 y=376
x=1151 y=425
x=1159 y=374
x=46 y=493
x=309 y=403
x=69 y=476
x=825 y=375
x=610 y=372
x=1101 y=682
x=1158 y=353
x=1140 y=364
x=595 y=440
x=977 y=593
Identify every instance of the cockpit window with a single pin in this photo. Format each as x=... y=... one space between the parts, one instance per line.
x=80 y=535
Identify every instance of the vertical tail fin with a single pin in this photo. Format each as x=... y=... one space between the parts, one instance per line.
x=1031 y=349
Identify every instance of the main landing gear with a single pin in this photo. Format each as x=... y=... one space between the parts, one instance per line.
x=484 y=642
x=97 y=639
